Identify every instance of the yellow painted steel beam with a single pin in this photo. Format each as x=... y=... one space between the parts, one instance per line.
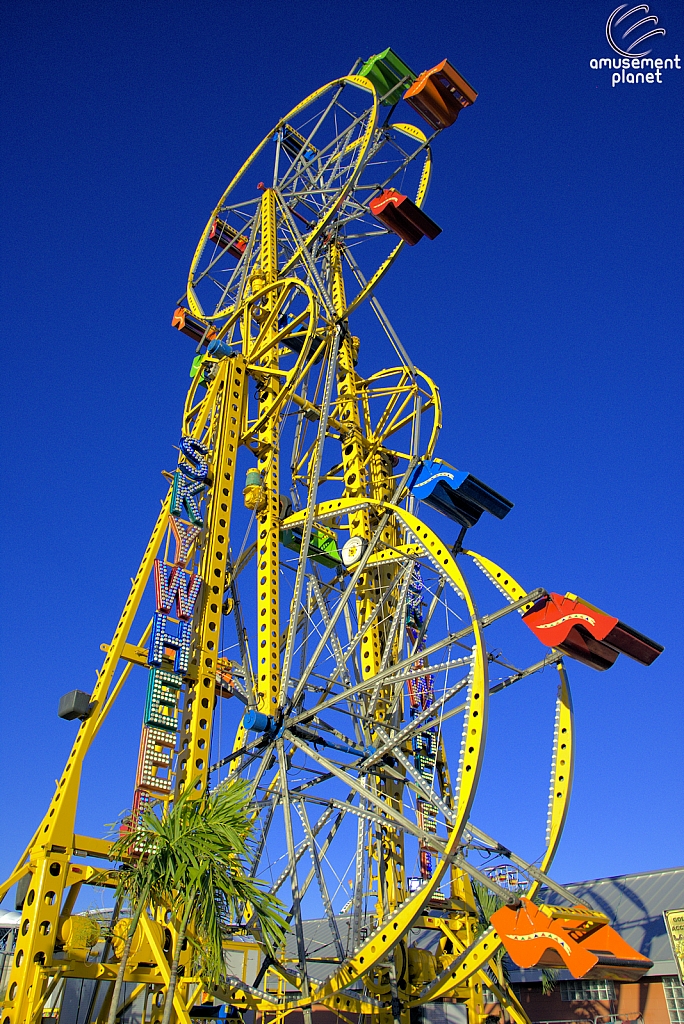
x=196 y=718
x=50 y=851
x=386 y=861
x=131 y=652
x=323 y=222
x=89 y=846
x=506 y=997
x=48 y=856
x=268 y=518
x=164 y=971
x=376 y=946
x=415 y=133
x=502 y=580
x=561 y=772
x=489 y=942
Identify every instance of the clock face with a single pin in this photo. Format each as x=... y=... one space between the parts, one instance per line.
x=352 y=550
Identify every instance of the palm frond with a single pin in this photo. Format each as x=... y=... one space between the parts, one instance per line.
x=196 y=855
x=549 y=978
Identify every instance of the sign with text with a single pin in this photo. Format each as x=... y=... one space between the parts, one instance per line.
x=674 y=920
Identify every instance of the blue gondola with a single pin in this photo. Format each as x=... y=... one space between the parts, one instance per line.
x=456 y=494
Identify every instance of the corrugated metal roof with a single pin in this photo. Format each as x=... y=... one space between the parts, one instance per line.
x=635 y=906
x=320 y=944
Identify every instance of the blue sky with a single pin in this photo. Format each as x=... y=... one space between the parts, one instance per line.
x=549 y=310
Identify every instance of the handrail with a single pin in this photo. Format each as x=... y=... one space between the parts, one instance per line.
x=602 y=1018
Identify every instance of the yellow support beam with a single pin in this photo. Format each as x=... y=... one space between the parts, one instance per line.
x=197 y=715
x=268 y=518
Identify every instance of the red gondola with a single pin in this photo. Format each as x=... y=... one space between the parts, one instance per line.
x=585 y=633
x=439 y=95
x=188 y=324
x=403 y=217
x=228 y=238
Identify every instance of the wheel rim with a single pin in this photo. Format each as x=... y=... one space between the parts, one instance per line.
x=327 y=196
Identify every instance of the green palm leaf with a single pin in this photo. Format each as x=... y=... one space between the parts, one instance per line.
x=194 y=859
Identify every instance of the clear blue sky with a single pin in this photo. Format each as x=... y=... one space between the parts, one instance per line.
x=549 y=310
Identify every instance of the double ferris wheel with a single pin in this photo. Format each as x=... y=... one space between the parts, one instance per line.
x=303 y=626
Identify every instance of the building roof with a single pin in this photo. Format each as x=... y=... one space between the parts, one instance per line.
x=635 y=905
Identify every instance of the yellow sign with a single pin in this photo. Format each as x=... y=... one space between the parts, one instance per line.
x=674 y=919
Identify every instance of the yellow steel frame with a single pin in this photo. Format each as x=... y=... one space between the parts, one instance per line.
x=268 y=520
x=49 y=859
x=385 y=861
x=394 y=927
x=225 y=431
x=321 y=225
x=219 y=418
x=217 y=421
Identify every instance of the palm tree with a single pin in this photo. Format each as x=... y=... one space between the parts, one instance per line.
x=137 y=885
x=210 y=855
x=488 y=902
x=193 y=858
